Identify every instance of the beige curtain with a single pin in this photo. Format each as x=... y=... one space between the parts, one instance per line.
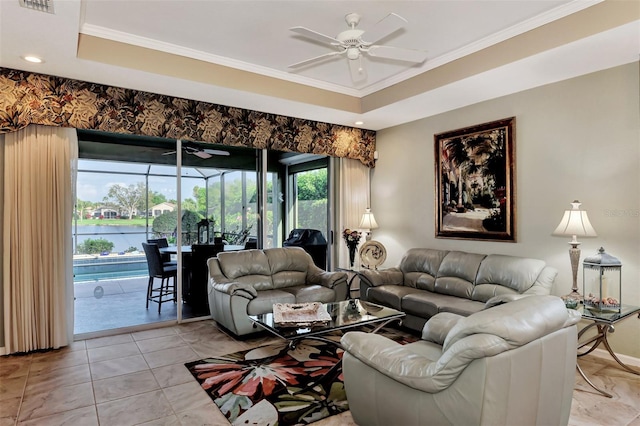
x=354 y=199
x=37 y=270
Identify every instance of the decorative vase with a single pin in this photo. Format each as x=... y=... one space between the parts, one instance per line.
x=352 y=254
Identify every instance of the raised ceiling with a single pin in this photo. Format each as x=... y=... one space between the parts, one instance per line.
x=237 y=52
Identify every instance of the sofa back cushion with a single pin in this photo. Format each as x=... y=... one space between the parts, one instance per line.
x=288 y=266
x=500 y=274
x=420 y=267
x=457 y=274
x=247 y=266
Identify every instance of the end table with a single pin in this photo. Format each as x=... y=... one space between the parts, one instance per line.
x=604 y=323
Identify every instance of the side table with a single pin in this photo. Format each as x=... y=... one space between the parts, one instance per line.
x=354 y=273
x=604 y=323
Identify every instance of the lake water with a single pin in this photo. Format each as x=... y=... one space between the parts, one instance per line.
x=122 y=237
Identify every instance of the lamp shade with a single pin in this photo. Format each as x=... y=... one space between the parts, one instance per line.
x=575 y=222
x=368 y=221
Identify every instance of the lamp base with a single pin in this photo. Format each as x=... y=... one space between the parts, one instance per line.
x=572 y=300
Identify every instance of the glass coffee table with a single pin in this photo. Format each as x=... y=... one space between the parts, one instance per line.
x=345 y=314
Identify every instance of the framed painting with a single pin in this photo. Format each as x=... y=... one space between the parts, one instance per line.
x=475 y=182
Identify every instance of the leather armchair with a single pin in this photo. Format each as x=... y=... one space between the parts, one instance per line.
x=511 y=364
x=249 y=282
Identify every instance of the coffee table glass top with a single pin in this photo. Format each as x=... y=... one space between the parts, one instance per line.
x=344 y=314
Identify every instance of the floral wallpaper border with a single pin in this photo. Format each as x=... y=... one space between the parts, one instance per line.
x=31 y=98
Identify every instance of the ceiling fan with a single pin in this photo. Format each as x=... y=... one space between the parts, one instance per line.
x=353 y=43
x=203 y=153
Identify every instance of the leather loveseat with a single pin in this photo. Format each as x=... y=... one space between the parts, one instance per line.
x=513 y=364
x=249 y=282
x=429 y=281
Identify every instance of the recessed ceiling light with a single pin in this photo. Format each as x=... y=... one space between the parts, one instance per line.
x=359 y=123
x=34 y=59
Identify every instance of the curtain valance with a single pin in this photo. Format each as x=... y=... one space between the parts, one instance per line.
x=30 y=98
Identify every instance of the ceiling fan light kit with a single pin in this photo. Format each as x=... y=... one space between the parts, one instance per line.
x=354 y=43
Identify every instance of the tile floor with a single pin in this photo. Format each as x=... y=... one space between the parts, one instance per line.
x=139 y=379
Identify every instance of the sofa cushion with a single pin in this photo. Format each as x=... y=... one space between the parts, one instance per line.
x=426 y=304
x=288 y=266
x=419 y=261
x=247 y=266
x=457 y=273
x=390 y=295
x=515 y=273
x=265 y=300
x=311 y=293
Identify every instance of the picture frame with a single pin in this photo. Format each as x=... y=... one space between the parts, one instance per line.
x=480 y=160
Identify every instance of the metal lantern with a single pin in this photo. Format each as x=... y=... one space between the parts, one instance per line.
x=602 y=282
x=205 y=231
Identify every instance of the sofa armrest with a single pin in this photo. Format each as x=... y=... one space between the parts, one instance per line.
x=236 y=289
x=325 y=278
x=400 y=363
x=438 y=326
x=374 y=277
x=504 y=298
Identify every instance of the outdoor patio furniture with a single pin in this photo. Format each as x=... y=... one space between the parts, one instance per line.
x=167 y=291
x=161 y=243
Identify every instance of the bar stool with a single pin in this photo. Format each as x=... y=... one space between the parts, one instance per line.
x=167 y=291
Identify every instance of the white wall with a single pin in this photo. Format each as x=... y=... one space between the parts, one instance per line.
x=576 y=139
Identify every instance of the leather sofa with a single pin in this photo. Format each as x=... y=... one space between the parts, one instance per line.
x=429 y=281
x=249 y=282
x=513 y=364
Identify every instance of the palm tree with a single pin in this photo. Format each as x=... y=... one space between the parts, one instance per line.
x=458 y=156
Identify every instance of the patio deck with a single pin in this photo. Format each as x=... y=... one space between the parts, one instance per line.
x=118 y=303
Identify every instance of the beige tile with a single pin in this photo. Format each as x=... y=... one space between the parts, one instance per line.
x=208 y=415
x=12 y=388
x=206 y=348
x=134 y=409
x=186 y=397
x=57 y=359
x=172 y=375
x=56 y=401
x=14 y=366
x=159 y=343
x=190 y=327
x=592 y=408
x=46 y=380
x=7 y=421
x=9 y=407
x=109 y=340
x=118 y=367
x=170 y=356
x=79 y=345
x=165 y=421
x=153 y=333
x=104 y=353
x=635 y=422
x=123 y=386
x=85 y=416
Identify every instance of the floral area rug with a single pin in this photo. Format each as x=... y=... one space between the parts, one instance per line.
x=277 y=385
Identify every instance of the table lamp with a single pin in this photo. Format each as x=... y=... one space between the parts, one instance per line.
x=368 y=222
x=575 y=223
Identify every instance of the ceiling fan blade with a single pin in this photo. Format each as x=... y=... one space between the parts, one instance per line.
x=356 y=68
x=314 y=35
x=315 y=59
x=385 y=27
x=216 y=152
x=201 y=154
x=398 y=53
